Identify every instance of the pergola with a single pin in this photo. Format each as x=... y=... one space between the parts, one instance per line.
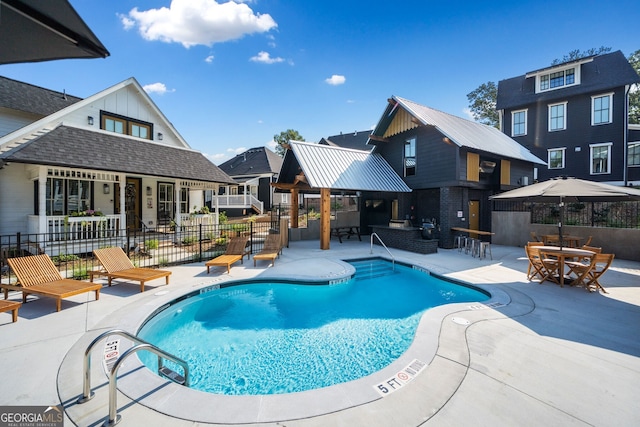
x=322 y=169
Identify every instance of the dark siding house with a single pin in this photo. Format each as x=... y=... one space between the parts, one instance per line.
x=574 y=116
x=451 y=164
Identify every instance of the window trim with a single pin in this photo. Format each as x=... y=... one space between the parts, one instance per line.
x=128 y=122
x=549 y=118
x=603 y=144
x=576 y=78
x=635 y=145
x=564 y=157
x=593 y=100
x=526 y=115
x=412 y=141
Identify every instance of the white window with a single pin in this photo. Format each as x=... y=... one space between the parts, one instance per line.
x=556 y=158
x=558 y=79
x=633 y=155
x=410 y=157
x=557 y=117
x=600 y=158
x=601 y=109
x=519 y=123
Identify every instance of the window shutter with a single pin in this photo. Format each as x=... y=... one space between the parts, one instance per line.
x=473 y=167
x=505 y=172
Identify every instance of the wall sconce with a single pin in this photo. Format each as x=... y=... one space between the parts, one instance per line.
x=160 y=136
x=149 y=191
x=90 y=120
x=106 y=188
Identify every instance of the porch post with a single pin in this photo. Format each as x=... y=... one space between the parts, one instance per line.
x=122 y=181
x=325 y=218
x=294 y=208
x=176 y=203
x=42 y=201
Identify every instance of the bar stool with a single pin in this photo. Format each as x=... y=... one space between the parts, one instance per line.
x=459 y=242
x=482 y=249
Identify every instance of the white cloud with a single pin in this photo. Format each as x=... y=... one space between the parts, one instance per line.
x=467 y=112
x=209 y=59
x=198 y=22
x=265 y=58
x=336 y=80
x=159 y=88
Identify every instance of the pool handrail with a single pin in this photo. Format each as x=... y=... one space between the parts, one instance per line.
x=140 y=345
x=393 y=260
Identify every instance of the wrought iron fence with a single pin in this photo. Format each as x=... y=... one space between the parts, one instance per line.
x=188 y=244
x=590 y=214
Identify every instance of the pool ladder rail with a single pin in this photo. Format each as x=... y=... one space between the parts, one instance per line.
x=393 y=260
x=140 y=344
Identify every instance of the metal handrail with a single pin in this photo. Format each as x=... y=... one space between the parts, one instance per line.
x=140 y=345
x=393 y=260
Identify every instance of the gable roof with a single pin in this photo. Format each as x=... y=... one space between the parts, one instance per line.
x=462 y=132
x=27 y=98
x=338 y=168
x=600 y=73
x=67 y=146
x=356 y=140
x=253 y=162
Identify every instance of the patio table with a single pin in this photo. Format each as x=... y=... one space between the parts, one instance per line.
x=561 y=254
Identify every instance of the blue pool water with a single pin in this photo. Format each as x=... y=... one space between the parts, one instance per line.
x=279 y=337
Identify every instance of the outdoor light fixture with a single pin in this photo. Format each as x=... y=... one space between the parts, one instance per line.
x=90 y=120
x=159 y=136
x=106 y=188
x=149 y=191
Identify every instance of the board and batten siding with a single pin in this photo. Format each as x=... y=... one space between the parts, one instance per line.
x=14 y=210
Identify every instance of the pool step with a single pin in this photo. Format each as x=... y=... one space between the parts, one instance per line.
x=171 y=375
x=370 y=269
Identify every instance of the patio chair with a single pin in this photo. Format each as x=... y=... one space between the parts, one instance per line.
x=12 y=306
x=600 y=263
x=271 y=249
x=236 y=250
x=117 y=265
x=588 y=242
x=550 y=267
x=38 y=275
x=534 y=236
x=536 y=268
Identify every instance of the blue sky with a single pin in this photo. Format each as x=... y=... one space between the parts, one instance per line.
x=230 y=76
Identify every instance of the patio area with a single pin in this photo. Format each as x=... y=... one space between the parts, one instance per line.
x=536 y=354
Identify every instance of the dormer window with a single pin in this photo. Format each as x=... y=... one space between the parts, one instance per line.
x=557 y=79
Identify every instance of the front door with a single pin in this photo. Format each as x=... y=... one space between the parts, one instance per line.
x=132 y=203
x=166 y=205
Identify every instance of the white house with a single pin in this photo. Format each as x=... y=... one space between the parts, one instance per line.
x=114 y=152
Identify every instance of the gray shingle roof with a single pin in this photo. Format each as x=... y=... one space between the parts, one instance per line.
x=67 y=146
x=32 y=99
x=356 y=140
x=605 y=72
x=255 y=161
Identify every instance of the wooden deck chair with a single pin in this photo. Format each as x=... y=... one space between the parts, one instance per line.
x=12 y=306
x=117 y=265
x=236 y=250
x=600 y=263
x=588 y=242
x=38 y=275
x=536 y=268
x=271 y=249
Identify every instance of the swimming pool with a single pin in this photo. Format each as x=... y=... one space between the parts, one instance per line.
x=258 y=338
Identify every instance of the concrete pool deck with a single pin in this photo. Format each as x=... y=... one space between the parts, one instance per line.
x=536 y=355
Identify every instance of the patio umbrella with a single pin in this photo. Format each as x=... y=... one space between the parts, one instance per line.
x=42 y=30
x=562 y=190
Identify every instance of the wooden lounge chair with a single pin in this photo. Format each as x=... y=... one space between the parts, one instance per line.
x=236 y=250
x=38 y=275
x=536 y=268
x=10 y=305
x=117 y=265
x=271 y=249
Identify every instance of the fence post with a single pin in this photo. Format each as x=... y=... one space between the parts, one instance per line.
x=200 y=242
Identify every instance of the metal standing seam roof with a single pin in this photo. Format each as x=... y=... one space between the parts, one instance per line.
x=469 y=134
x=346 y=169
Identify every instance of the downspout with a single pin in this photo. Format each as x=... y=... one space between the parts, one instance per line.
x=626 y=135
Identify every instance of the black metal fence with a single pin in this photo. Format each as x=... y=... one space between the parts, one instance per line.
x=590 y=214
x=74 y=257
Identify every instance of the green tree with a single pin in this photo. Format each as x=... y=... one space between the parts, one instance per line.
x=634 y=93
x=482 y=103
x=282 y=140
x=577 y=54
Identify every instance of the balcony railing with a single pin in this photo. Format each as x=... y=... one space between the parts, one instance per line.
x=239 y=201
x=61 y=227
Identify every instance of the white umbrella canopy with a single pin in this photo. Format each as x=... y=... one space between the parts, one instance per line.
x=43 y=30
x=562 y=190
